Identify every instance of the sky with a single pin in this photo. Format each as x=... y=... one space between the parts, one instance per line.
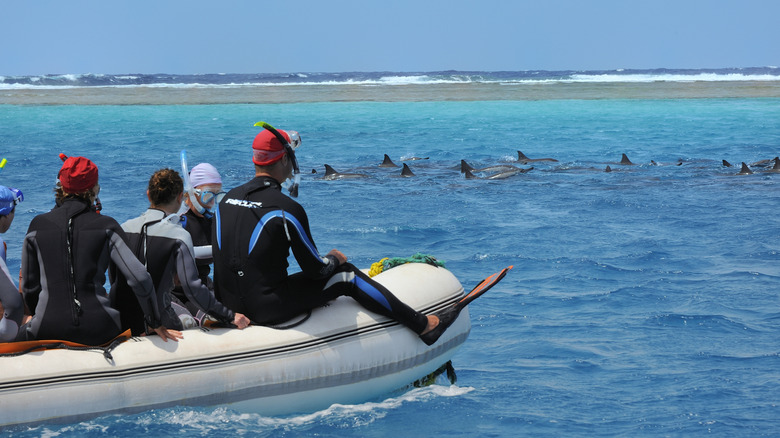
x=285 y=36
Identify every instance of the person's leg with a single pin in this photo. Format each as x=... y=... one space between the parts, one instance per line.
x=351 y=281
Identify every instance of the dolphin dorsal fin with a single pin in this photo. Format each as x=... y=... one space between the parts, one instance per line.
x=745 y=170
x=608 y=169
x=469 y=175
x=387 y=162
x=521 y=156
x=625 y=160
x=777 y=164
x=329 y=170
x=406 y=171
x=464 y=166
x=726 y=163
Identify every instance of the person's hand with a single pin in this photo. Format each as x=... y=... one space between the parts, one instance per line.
x=166 y=334
x=339 y=256
x=241 y=321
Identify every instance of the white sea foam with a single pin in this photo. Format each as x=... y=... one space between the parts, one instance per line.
x=703 y=77
x=207 y=420
x=69 y=81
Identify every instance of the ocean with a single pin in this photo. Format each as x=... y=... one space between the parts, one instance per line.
x=643 y=301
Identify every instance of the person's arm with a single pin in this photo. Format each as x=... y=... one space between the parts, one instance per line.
x=302 y=244
x=30 y=284
x=197 y=292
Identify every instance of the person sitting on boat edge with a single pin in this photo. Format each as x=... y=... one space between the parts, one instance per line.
x=207 y=192
x=165 y=247
x=255 y=227
x=65 y=256
x=11 y=303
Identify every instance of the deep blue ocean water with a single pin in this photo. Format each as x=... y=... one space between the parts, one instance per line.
x=643 y=301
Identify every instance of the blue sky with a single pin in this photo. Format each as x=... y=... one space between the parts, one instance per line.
x=198 y=36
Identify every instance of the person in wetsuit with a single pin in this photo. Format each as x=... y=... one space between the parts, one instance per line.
x=164 y=246
x=255 y=227
x=12 y=308
x=207 y=184
x=65 y=256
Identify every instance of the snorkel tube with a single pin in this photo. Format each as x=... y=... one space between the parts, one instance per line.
x=185 y=174
x=290 y=150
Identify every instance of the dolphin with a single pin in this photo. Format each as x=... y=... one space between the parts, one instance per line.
x=466 y=166
x=765 y=163
x=776 y=167
x=414 y=158
x=726 y=163
x=745 y=170
x=388 y=162
x=608 y=169
x=499 y=175
x=523 y=159
x=406 y=171
x=332 y=174
x=625 y=161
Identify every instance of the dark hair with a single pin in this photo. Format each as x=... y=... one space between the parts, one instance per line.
x=60 y=195
x=164 y=186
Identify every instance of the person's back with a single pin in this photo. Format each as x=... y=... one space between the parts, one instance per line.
x=165 y=248
x=250 y=272
x=66 y=240
x=151 y=243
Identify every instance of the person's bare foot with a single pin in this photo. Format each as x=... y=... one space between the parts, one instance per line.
x=433 y=321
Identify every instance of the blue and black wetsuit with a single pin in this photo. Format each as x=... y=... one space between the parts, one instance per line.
x=255 y=227
x=64 y=260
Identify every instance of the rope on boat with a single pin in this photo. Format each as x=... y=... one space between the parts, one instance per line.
x=389 y=263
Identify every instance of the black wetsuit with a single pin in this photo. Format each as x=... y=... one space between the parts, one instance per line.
x=64 y=260
x=254 y=228
x=199 y=228
x=166 y=249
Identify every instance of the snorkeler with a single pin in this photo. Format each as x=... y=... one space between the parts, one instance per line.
x=10 y=298
x=65 y=256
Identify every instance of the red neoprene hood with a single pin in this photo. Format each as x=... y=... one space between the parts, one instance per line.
x=266 y=148
x=78 y=174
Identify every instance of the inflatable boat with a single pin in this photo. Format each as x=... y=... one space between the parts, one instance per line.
x=340 y=354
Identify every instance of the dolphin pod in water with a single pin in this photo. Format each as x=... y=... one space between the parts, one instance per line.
x=502 y=171
x=745 y=169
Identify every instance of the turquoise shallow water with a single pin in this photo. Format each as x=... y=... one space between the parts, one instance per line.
x=643 y=302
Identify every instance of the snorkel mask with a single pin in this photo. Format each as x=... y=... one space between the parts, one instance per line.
x=289 y=148
x=206 y=212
